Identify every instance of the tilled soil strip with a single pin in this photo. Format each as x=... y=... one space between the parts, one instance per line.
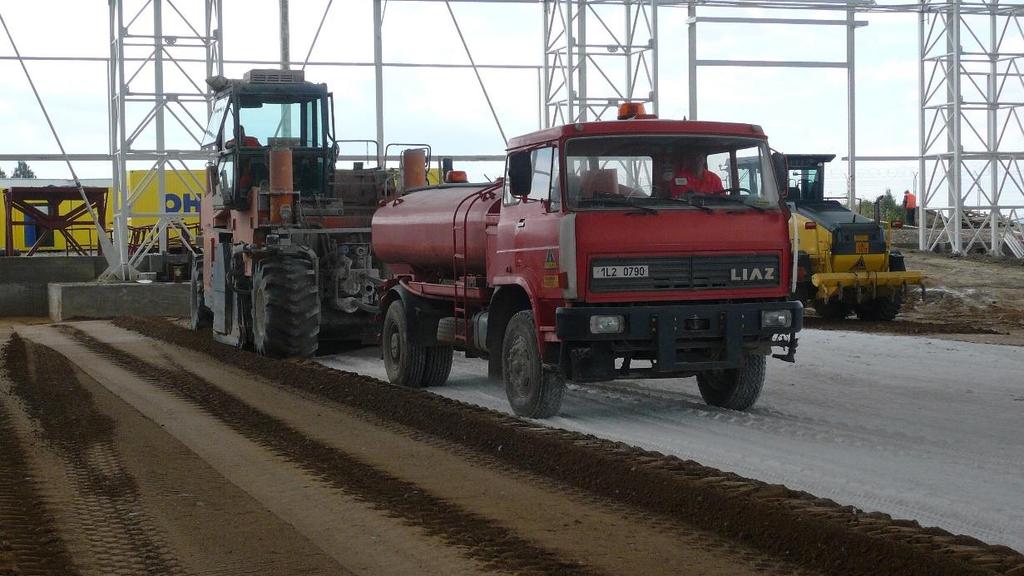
x=121 y=537
x=815 y=532
x=907 y=327
x=496 y=546
x=29 y=544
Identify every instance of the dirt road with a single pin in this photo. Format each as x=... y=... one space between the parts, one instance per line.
x=179 y=456
x=971 y=299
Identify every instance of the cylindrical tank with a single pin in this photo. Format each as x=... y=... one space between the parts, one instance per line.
x=414 y=168
x=418 y=229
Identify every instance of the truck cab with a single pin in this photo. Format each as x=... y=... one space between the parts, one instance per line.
x=631 y=272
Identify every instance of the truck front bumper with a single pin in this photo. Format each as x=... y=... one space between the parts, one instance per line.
x=679 y=339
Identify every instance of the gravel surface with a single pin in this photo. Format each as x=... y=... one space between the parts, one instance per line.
x=915 y=427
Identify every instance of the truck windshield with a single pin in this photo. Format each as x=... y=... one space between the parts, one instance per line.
x=669 y=172
x=300 y=121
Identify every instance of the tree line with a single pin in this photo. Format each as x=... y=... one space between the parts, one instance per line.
x=22 y=170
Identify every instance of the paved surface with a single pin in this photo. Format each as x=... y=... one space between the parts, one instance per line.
x=915 y=427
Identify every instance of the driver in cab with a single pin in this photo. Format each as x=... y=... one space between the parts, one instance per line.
x=692 y=176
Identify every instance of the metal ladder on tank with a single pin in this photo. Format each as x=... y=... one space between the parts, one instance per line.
x=460 y=268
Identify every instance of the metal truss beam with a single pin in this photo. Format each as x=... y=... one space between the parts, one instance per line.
x=971 y=128
x=155 y=86
x=598 y=55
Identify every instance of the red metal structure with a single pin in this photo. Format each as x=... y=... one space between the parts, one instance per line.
x=585 y=261
x=28 y=201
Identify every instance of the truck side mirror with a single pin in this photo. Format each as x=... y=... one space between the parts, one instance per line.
x=781 y=173
x=520 y=174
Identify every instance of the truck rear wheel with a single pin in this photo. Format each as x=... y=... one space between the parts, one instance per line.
x=734 y=388
x=437 y=365
x=199 y=315
x=403 y=360
x=532 y=391
x=285 y=307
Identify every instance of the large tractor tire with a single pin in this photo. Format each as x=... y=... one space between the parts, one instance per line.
x=404 y=361
x=880 y=309
x=734 y=388
x=285 y=307
x=199 y=315
x=437 y=365
x=831 y=310
x=532 y=391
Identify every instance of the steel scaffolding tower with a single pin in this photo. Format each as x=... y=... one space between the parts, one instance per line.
x=596 y=56
x=155 y=86
x=971 y=131
x=597 y=53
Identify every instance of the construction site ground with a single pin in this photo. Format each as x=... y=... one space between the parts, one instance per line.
x=138 y=447
x=968 y=298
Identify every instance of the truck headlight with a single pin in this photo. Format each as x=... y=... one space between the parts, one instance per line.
x=607 y=324
x=776 y=319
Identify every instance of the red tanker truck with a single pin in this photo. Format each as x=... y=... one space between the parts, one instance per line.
x=637 y=248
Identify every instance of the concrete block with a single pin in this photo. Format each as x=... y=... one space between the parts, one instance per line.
x=95 y=300
x=22 y=299
x=45 y=269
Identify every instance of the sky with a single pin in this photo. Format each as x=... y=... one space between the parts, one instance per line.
x=802 y=110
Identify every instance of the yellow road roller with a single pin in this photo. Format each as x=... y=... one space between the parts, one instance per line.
x=845 y=261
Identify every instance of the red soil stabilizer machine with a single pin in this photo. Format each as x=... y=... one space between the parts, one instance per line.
x=638 y=248
x=286 y=237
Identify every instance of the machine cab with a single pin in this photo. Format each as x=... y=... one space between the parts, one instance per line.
x=269 y=109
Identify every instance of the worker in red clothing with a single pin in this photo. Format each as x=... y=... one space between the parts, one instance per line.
x=693 y=176
x=910 y=207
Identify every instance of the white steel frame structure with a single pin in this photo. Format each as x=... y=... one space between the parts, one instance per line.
x=614 y=43
x=598 y=53
x=151 y=40
x=971 y=126
x=849 y=23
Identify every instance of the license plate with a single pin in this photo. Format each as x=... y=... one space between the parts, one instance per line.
x=621 y=272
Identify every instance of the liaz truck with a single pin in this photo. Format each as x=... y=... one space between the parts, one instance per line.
x=634 y=248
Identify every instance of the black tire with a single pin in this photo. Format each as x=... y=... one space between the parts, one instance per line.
x=831 y=310
x=735 y=388
x=880 y=309
x=199 y=315
x=403 y=360
x=532 y=391
x=437 y=365
x=285 y=307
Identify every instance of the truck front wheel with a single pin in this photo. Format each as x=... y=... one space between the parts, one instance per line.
x=735 y=388
x=404 y=361
x=532 y=391
x=285 y=307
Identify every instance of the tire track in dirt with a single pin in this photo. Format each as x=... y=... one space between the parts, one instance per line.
x=108 y=515
x=29 y=543
x=496 y=546
x=815 y=532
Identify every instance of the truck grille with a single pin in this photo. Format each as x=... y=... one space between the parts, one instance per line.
x=690 y=273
